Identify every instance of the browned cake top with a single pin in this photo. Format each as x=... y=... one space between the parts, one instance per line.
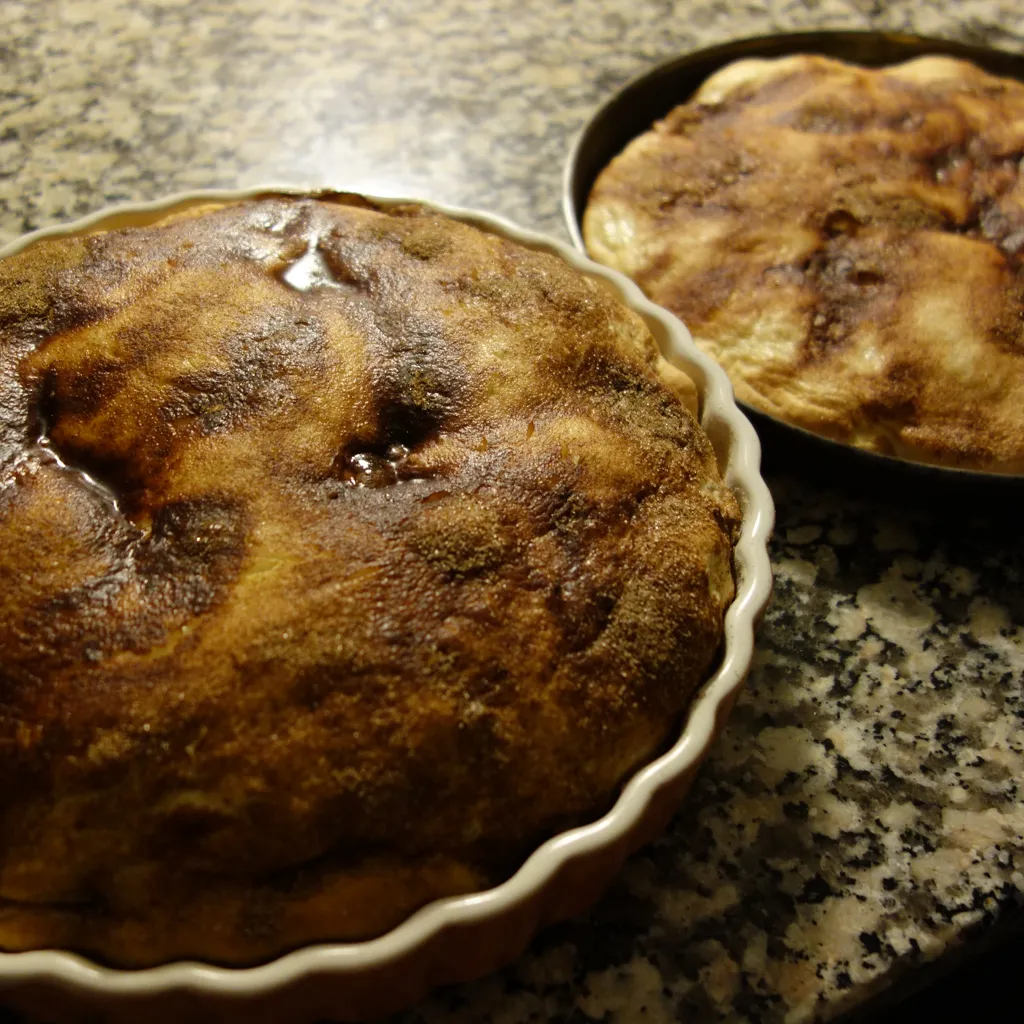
x=846 y=242
x=344 y=554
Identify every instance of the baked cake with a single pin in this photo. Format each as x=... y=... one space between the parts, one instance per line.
x=346 y=553
x=846 y=242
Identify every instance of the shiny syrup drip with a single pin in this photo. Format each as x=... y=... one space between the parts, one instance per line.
x=310 y=271
x=364 y=469
x=50 y=455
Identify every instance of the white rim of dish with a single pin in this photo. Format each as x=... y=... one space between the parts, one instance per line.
x=754 y=582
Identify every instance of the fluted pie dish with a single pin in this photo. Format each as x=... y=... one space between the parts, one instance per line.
x=354 y=550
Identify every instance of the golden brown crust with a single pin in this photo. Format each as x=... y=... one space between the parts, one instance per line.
x=846 y=242
x=399 y=552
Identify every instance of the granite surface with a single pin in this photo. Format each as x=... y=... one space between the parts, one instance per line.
x=861 y=814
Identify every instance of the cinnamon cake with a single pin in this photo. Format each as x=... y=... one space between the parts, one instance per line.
x=847 y=242
x=346 y=554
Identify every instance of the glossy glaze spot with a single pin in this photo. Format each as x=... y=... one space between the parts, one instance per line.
x=367 y=470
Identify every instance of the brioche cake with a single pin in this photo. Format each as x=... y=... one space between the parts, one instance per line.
x=846 y=242
x=346 y=554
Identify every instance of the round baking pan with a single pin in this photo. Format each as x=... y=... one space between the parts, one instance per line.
x=637 y=105
x=461 y=937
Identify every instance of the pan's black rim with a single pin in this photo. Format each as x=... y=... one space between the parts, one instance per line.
x=634 y=107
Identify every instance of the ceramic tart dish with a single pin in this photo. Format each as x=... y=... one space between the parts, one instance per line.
x=358 y=550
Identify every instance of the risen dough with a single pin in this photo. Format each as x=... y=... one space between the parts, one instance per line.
x=846 y=243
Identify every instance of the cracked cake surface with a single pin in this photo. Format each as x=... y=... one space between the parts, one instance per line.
x=346 y=553
x=846 y=242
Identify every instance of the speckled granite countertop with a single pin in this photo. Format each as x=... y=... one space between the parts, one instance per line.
x=861 y=815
